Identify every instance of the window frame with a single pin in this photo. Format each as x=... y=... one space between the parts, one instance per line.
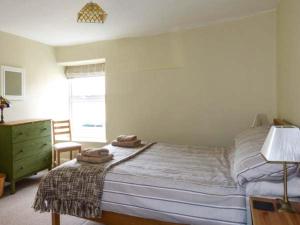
x=92 y=97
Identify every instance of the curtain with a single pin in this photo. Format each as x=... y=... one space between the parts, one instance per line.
x=91 y=70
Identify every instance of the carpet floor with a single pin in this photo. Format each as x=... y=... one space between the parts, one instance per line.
x=16 y=209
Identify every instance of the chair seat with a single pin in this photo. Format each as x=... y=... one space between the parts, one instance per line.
x=66 y=146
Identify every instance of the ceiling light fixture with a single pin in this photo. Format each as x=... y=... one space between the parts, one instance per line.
x=91 y=13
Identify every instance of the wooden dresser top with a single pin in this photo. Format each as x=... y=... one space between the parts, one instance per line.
x=20 y=122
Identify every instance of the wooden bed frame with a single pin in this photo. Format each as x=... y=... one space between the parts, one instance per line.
x=281 y=122
x=110 y=218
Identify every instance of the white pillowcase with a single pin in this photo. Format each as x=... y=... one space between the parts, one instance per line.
x=248 y=163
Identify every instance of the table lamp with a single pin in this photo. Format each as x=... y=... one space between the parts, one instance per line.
x=282 y=145
x=4 y=103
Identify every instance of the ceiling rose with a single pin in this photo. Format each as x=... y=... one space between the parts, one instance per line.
x=91 y=13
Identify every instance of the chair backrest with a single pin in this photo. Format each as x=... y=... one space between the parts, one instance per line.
x=61 y=128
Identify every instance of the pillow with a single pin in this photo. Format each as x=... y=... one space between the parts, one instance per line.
x=248 y=163
x=267 y=188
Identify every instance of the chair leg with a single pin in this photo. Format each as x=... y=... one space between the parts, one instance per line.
x=54 y=159
x=71 y=154
x=58 y=157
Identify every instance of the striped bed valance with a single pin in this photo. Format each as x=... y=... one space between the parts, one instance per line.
x=90 y=70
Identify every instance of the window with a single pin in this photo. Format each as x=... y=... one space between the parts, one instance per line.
x=87 y=108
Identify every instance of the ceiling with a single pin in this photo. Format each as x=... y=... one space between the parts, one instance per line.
x=53 y=22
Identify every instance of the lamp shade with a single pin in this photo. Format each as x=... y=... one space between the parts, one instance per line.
x=4 y=103
x=91 y=13
x=282 y=144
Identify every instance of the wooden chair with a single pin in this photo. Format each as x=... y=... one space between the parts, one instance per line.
x=63 y=128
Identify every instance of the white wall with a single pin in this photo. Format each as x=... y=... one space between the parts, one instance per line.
x=198 y=86
x=46 y=87
x=289 y=60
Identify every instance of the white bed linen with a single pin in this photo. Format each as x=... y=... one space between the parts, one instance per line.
x=267 y=188
x=181 y=184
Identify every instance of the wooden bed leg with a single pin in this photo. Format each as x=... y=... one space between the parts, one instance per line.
x=55 y=219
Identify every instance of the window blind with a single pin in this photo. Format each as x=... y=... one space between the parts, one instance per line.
x=91 y=70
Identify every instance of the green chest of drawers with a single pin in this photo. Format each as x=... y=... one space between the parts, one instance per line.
x=25 y=148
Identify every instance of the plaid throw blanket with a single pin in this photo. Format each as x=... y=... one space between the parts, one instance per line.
x=76 y=188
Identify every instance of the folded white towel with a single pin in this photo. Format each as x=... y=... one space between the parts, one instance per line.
x=95 y=152
x=103 y=159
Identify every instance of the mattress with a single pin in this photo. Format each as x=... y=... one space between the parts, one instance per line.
x=180 y=184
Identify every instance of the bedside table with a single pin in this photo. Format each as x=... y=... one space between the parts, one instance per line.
x=264 y=217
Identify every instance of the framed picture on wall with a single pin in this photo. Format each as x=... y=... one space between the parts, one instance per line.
x=12 y=83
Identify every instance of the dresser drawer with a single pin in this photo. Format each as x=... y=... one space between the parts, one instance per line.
x=29 y=165
x=31 y=148
x=44 y=162
x=29 y=131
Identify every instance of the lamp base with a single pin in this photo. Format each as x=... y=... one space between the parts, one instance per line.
x=2 y=117
x=286 y=207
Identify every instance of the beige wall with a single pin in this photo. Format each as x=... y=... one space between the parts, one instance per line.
x=288 y=21
x=198 y=86
x=46 y=92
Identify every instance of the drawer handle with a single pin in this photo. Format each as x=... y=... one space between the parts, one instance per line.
x=44 y=145
x=21 y=168
x=43 y=129
x=21 y=151
x=21 y=133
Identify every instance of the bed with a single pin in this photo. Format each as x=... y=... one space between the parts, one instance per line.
x=185 y=184
x=182 y=184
